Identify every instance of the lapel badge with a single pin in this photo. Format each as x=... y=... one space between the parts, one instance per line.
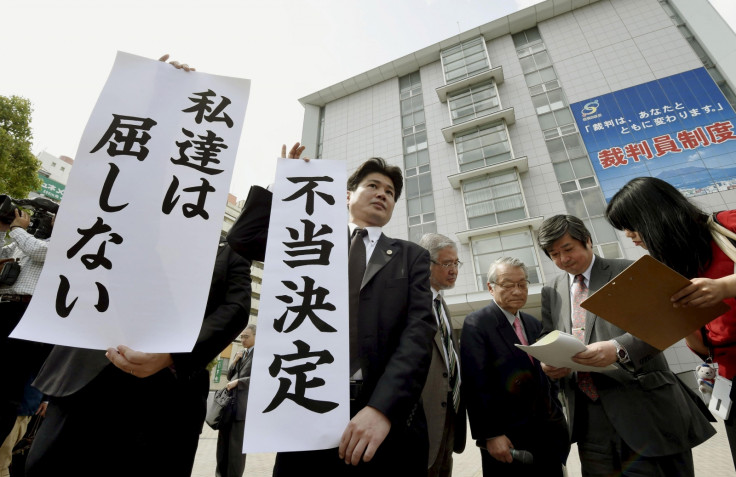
x=389 y=252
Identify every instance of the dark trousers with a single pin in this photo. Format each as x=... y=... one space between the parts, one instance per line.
x=603 y=453
x=546 y=440
x=122 y=426
x=229 y=453
x=404 y=453
x=20 y=360
x=442 y=466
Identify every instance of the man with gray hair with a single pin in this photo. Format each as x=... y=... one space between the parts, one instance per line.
x=443 y=407
x=512 y=406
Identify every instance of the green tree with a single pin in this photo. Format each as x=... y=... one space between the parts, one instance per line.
x=18 y=166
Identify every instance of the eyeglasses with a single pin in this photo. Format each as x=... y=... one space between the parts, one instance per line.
x=522 y=285
x=458 y=264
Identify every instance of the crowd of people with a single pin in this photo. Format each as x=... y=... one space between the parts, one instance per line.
x=413 y=385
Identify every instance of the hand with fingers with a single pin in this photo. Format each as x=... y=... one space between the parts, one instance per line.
x=176 y=64
x=363 y=435
x=295 y=153
x=137 y=363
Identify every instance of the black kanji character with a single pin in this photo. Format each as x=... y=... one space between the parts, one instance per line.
x=202 y=105
x=206 y=151
x=124 y=131
x=320 y=248
x=301 y=384
x=190 y=210
x=306 y=309
x=308 y=190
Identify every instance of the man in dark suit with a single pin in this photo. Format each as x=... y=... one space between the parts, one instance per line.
x=441 y=396
x=511 y=404
x=125 y=412
x=638 y=419
x=387 y=433
x=230 y=456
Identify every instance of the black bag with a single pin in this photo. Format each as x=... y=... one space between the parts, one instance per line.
x=221 y=409
x=9 y=271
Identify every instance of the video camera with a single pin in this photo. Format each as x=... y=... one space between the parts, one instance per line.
x=43 y=214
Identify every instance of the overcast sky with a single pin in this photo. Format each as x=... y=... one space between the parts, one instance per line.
x=59 y=54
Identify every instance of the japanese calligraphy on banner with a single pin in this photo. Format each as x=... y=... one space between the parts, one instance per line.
x=131 y=256
x=299 y=394
x=680 y=129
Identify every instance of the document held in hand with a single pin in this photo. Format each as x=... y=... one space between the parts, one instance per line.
x=557 y=349
x=638 y=300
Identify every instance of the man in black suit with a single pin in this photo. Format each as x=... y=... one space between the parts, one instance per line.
x=511 y=404
x=387 y=433
x=124 y=412
x=230 y=456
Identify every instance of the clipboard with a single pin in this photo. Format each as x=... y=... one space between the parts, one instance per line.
x=638 y=300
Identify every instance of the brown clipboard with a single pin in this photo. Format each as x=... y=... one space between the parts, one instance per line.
x=638 y=300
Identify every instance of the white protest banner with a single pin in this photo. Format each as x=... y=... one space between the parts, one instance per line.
x=299 y=395
x=131 y=256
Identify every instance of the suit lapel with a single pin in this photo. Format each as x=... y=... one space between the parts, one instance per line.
x=382 y=254
x=600 y=274
x=563 y=289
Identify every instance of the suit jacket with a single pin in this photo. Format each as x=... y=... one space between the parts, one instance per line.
x=396 y=324
x=506 y=392
x=241 y=372
x=435 y=399
x=648 y=406
x=68 y=370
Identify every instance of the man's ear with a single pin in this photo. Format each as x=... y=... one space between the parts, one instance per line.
x=347 y=202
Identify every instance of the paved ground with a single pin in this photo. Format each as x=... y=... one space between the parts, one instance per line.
x=712 y=459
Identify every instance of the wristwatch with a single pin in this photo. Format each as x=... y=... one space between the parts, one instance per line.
x=621 y=355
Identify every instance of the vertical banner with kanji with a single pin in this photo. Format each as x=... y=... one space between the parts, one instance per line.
x=298 y=398
x=131 y=256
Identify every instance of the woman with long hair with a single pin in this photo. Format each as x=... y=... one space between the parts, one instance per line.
x=658 y=218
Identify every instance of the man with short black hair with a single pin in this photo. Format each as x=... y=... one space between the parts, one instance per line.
x=638 y=419
x=387 y=433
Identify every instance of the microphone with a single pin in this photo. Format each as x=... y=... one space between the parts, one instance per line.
x=522 y=456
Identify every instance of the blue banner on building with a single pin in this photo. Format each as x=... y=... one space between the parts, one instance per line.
x=679 y=129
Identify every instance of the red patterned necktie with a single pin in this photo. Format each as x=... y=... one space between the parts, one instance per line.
x=579 y=294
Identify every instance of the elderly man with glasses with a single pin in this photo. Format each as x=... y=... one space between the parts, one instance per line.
x=512 y=405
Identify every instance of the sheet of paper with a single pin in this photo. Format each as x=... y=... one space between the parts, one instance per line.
x=557 y=349
x=638 y=300
x=299 y=392
x=131 y=255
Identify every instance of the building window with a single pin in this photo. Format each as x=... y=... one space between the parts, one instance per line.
x=483 y=147
x=321 y=134
x=53 y=164
x=466 y=59
x=493 y=199
x=63 y=168
x=419 y=195
x=517 y=243
x=476 y=101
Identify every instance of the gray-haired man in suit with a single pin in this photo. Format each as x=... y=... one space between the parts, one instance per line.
x=441 y=397
x=637 y=419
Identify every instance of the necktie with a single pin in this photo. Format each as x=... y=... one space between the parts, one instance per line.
x=579 y=294
x=356 y=270
x=451 y=358
x=519 y=331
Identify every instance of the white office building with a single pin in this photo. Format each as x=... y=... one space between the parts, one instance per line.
x=546 y=111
